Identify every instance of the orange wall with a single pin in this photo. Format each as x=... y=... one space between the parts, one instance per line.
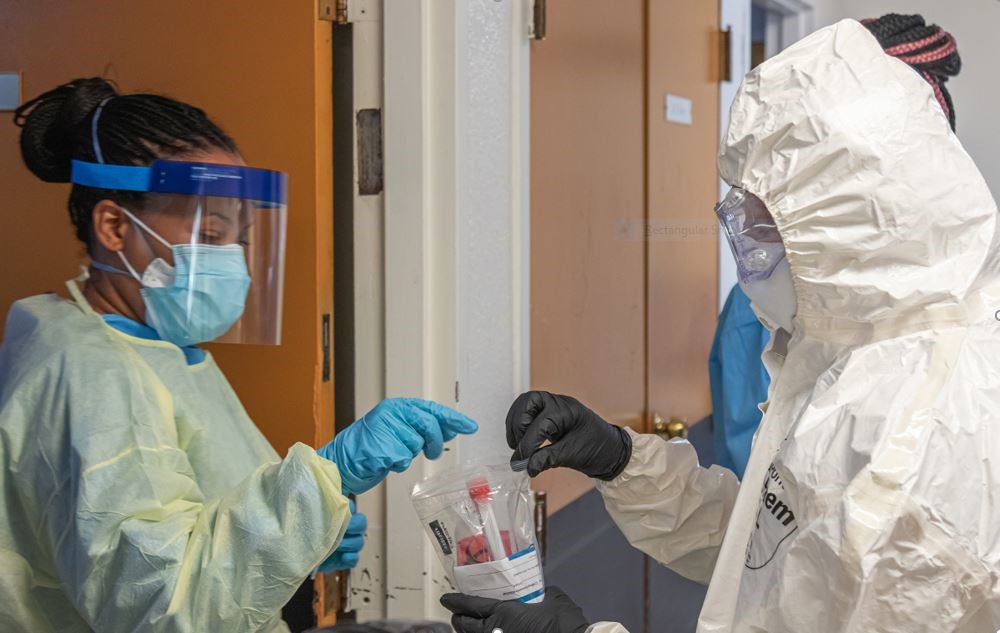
x=261 y=69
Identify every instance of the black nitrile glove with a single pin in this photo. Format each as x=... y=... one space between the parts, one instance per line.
x=556 y=614
x=580 y=439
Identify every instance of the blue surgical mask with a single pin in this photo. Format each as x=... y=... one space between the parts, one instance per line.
x=198 y=298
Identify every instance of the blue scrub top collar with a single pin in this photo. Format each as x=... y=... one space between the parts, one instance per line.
x=196 y=179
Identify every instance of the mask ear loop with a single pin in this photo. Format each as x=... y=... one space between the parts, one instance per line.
x=96 y=144
x=94 y=121
x=146 y=229
x=131 y=270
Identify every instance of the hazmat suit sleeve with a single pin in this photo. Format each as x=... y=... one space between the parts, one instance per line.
x=136 y=546
x=671 y=508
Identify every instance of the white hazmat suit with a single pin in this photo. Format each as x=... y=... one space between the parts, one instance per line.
x=871 y=501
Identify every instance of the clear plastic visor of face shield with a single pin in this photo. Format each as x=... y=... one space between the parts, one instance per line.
x=217 y=205
x=752 y=234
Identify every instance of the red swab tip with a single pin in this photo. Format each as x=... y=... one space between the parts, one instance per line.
x=479 y=489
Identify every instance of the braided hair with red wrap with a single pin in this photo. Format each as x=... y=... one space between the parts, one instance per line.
x=928 y=49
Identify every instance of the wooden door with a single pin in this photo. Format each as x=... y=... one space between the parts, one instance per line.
x=682 y=190
x=587 y=177
x=621 y=320
x=623 y=243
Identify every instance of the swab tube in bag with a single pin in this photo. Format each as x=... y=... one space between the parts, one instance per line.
x=481 y=522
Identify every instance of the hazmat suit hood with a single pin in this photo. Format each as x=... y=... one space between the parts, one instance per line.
x=883 y=214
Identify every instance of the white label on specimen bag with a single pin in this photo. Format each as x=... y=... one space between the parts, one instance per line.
x=518 y=577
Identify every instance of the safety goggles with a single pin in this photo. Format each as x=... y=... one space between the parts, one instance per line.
x=752 y=234
x=220 y=205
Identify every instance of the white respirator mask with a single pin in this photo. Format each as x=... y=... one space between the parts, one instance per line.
x=774 y=297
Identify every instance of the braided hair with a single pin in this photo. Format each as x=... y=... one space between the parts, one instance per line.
x=135 y=129
x=929 y=49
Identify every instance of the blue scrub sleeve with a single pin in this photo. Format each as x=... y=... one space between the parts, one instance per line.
x=738 y=381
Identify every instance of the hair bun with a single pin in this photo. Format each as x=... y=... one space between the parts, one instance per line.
x=55 y=124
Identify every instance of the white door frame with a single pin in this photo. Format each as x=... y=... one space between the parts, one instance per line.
x=733 y=15
x=797 y=17
x=797 y=21
x=455 y=243
x=367 y=590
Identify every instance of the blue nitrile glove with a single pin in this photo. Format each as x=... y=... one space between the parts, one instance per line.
x=389 y=437
x=348 y=553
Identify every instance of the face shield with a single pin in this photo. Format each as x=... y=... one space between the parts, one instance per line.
x=207 y=227
x=752 y=234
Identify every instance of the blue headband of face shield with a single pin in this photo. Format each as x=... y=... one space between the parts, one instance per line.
x=264 y=187
x=752 y=234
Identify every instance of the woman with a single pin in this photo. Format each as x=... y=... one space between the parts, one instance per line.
x=864 y=230
x=137 y=494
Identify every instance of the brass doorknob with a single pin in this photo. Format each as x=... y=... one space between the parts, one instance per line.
x=669 y=429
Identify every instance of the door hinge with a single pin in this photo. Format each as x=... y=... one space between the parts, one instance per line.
x=726 y=54
x=369 y=129
x=539 y=20
x=334 y=11
x=325 y=337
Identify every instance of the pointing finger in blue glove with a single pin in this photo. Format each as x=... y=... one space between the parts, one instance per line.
x=452 y=422
x=389 y=437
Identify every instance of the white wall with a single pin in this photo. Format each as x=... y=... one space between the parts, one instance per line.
x=734 y=15
x=975 y=91
x=827 y=12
